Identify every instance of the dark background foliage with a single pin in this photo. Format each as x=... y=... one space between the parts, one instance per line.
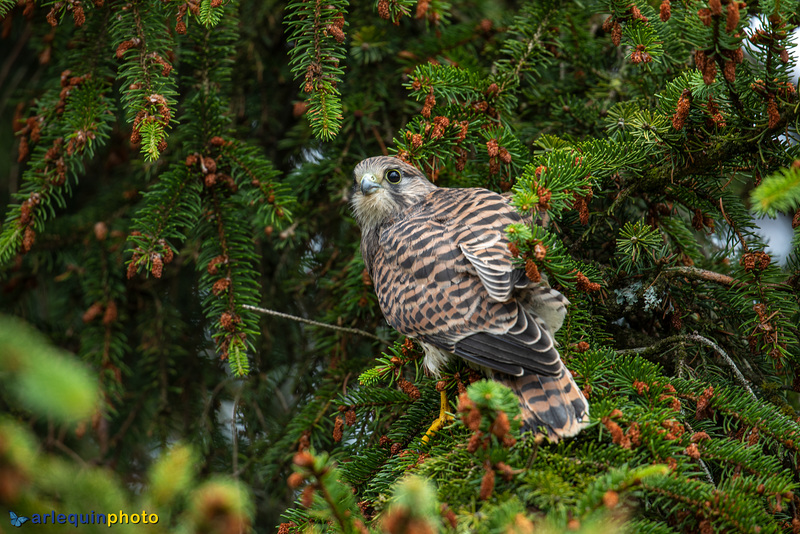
x=168 y=165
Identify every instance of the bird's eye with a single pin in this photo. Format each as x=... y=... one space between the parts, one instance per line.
x=394 y=176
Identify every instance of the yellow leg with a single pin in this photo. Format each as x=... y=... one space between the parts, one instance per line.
x=440 y=421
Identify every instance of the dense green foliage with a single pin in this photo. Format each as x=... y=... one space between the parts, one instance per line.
x=167 y=166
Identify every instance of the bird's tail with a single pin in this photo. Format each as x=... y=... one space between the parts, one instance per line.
x=552 y=402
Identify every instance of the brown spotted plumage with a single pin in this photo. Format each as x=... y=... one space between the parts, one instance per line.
x=443 y=273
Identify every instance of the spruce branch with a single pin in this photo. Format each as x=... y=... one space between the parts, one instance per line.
x=778 y=192
x=211 y=13
x=6 y=6
x=317 y=31
x=142 y=44
x=525 y=44
x=68 y=126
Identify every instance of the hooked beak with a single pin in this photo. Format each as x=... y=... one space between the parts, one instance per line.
x=369 y=184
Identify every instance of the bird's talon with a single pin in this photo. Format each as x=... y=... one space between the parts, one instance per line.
x=439 y=422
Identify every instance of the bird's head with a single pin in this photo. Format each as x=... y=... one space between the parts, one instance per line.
x=384 y=187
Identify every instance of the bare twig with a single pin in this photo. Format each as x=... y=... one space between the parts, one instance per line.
x=707 y=342
x=699 y=339
x=652 y=348
x=314 y=323
x=723 y=279
x=708 y=473
x=69 y=452
x=701 y=274
x=235 y=434
x=733 y=225
x=210 y=399
x=699 y=460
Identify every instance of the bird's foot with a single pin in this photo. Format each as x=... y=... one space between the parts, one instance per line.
x=439 y=422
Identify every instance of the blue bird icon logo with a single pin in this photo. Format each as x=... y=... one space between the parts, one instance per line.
x=17 y=520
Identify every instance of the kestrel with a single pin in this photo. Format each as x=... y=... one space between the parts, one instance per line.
x=440 y=265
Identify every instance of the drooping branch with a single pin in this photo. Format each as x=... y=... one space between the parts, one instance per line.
x=682 y=339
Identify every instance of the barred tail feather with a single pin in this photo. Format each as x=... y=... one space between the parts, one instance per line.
x=552 y=402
